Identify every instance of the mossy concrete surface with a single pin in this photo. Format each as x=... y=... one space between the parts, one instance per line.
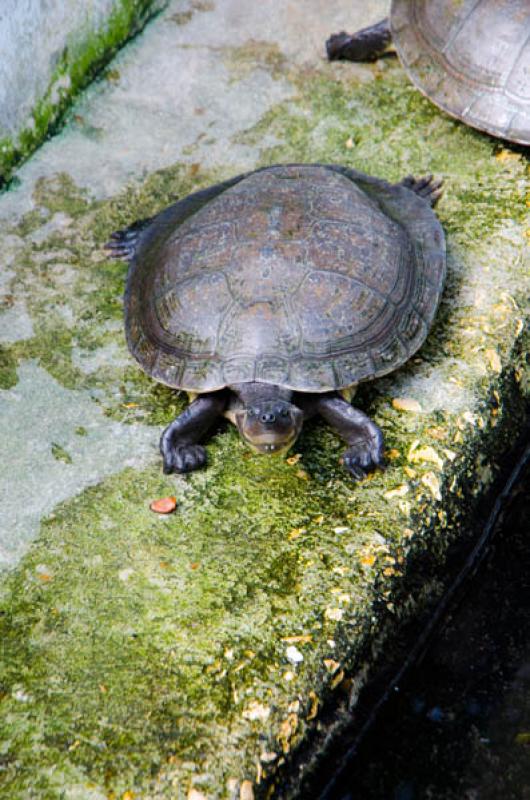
x=194 y=656
x=49 y=52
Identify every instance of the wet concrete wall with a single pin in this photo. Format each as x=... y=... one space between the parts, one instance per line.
x=49 y=50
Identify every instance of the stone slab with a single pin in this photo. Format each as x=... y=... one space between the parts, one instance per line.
x=198 y=655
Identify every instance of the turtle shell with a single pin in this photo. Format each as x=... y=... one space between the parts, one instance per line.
x=471 y=58
x=307 y=276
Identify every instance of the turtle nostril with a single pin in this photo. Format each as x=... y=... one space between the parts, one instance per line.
x=268 y=418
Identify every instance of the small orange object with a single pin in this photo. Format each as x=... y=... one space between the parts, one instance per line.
x=165 y=505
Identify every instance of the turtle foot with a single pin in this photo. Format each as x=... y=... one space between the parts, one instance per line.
x=123 y=244
x=427 y=187
x=367 y=44
x=183 y=458
x=363 y=457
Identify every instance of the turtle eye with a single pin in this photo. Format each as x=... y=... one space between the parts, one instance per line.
x=251 y=412
x=284 y=412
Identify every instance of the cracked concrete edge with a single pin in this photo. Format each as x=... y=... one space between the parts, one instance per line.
x=50 y=54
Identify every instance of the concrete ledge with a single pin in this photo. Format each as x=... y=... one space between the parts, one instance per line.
x=194 y=656
x=49 y=52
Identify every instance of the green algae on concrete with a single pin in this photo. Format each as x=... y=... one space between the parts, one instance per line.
x=84 y=55
x=180 y=656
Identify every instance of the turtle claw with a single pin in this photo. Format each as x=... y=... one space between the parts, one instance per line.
x=363 y=457
x=184 y=458
x=426 y=187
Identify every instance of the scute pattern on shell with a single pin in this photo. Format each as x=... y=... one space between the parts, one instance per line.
x=471 y=58
x=296 y=275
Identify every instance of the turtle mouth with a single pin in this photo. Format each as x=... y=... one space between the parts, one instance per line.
x=274 y=448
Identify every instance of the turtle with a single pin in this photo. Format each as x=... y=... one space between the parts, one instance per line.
x=470 y=57
x=270 y=296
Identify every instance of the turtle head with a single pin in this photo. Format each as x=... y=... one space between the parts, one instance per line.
x=270 y=426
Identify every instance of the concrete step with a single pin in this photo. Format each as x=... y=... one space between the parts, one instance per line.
x=196 y=655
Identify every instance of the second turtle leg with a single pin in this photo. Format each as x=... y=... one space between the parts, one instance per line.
x=179 y=443
x=367 y=44
x=364 y=437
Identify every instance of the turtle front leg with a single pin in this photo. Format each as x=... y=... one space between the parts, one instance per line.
x=365 y=45
x=179 y=443
x=365 y=439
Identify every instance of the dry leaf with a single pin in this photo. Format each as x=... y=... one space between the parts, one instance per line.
x=292 y=460
x=267 y=758
x=164 y=505
x=417 y=453
x=334 y=614
x=406 y=404
x=303 y=639
x=367 y=560
x=313 y=711
x=493 y=360
x=432 y=483
x=399 y=491
x=193 y=794
x=246 y=791
x=256 y=711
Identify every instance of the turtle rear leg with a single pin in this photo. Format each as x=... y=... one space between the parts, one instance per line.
x=123 y=243
x=426 y=187
x=179 y=443
x=367 y=44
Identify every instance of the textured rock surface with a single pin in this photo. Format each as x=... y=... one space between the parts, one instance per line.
x=191 y=656
x=49 y=51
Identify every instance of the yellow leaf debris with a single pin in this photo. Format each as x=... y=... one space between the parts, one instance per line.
x=409 y=472
x=337 y=679
x=507 y=155
x=313 y=710
x=295 y=533
x=349 y=143
x=367 y=560
x=406 y=404
x=393 y=454
x=331 y=665
x=437 y=433
x=268 y=757
x=301 y=473
x=493 y=360
x=334 y=614
x=287 y=731
x=303 y=639
x=427 y=453
x=398 y=491
x=522 y=738
x=256 y=711
x=246 y=791
x=432 y=483
x=292 y=460
x=319 y=520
